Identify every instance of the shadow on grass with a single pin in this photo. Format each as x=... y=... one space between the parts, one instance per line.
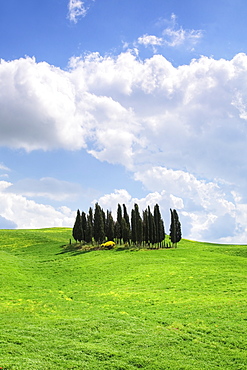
x=76 y=249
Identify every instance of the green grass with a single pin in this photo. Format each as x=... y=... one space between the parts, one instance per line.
x=181 y=308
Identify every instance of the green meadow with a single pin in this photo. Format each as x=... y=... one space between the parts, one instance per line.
x=63 y=308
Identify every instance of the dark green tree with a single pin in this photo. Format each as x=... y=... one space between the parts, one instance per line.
x=136 y=225
x=99 y=228
x=175 y=228
x=77 y=229
x=84 y=225
x=90 y=218
x=151 y=226
x=162 y=231
x=104 y=219
x=146 y=237
x=159 y=225
x=119 y=219
x=117 y=232
x=89 y=231
x=126 y=216
x=127 y=221
x=134 y=222
x=125 y=231
x=139 y=230
x=109 y=226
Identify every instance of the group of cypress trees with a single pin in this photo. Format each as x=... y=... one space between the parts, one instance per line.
x=148 y=229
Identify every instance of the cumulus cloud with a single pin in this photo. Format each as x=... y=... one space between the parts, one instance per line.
x=215 y=220
x=17 y=211
x=145 y=115
x=166 y=114
x=111 y=201
x=206 y=210
x=203 y=205
x=37 y=107
x=122 y=196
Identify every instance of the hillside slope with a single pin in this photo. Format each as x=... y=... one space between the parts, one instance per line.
x=181 y=308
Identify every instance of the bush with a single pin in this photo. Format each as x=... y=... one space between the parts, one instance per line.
x=108 y=245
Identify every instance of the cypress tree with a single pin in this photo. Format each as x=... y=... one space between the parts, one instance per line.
x=117 y=232
x=104 y=219
x=90 y=218
x=84 y=225
x=119 y=219
x=152 y=229
x=139 y=230
x=154 y=237
x=99 y=232
x=136 y=224
x=157 y=218
x=178 y=228
x=77 y=229
x=172 y=228
x=159 y=225
x=136 y=234
x=89 y=230
x=133 y=226
x=146 y=237
x=126 y=216
x=127 y=221
x=109 y=226
x=175 y=228
x=125 y=231
x=162 y=231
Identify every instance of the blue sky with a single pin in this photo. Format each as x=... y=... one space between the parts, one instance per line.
x=121 y=102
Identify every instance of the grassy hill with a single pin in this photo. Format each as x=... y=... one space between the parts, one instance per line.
x=181 y=308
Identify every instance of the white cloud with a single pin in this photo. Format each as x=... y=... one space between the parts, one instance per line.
x=204 y=211
x=143 y=115
x=3 y=167
x=37 y=107
x=181 y=36
x=215 y=219
x=111 y=201
x=181 y=184
x=121 y=196
x=77 y=9
x=173 y=36
x=200 y=203
x=141 y=100
x=47 y=187
x=17 y=210
x=150 y=40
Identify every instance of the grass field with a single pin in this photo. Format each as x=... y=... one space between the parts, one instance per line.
x=183 y=308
